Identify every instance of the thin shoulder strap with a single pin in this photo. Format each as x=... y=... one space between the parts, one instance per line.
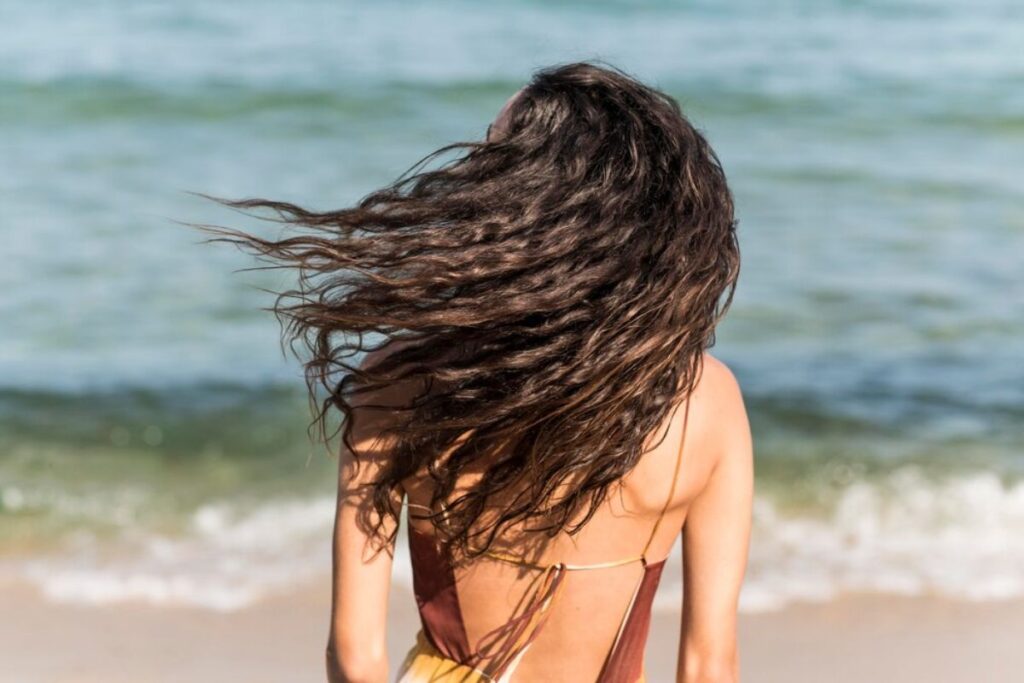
x=675 y=479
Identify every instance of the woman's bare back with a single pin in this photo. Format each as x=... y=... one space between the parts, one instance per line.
x=608 y=558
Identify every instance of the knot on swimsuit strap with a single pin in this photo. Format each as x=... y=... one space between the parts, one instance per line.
x=500 y=648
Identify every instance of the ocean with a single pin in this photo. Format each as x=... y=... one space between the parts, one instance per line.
x=153 y=441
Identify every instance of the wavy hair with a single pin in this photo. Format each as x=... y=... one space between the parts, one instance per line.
x=553 y=289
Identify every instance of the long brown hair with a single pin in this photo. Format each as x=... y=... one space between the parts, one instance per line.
x=578 y=263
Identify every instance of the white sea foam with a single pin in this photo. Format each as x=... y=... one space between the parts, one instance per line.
x=962 y=537
x=230 y=558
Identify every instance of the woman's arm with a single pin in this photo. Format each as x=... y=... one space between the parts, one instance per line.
x=716 y=536
x=357 y=644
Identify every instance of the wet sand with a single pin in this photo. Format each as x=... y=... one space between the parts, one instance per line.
x=855 y=639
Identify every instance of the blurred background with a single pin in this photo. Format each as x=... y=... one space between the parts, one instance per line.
x=153 y=453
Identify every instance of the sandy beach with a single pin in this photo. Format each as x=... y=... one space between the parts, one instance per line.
x=864 y=638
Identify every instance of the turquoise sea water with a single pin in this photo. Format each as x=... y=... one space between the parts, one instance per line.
x=152 y=441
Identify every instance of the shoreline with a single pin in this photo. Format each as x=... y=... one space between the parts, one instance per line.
x=852 y=639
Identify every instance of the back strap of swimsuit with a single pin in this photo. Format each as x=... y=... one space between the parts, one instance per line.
x=498 y=655
x=613 y=661
x=672 y=486
x=521 y=630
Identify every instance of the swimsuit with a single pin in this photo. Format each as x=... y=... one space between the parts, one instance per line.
x=443 y=654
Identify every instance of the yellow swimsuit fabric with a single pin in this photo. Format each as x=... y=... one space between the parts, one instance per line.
x=424 y=664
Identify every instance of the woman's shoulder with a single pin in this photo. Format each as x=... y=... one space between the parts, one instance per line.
x=718 y=418
x=696 y=438
x=717 y=384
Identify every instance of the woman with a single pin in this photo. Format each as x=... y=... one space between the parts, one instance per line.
x=543 y=398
